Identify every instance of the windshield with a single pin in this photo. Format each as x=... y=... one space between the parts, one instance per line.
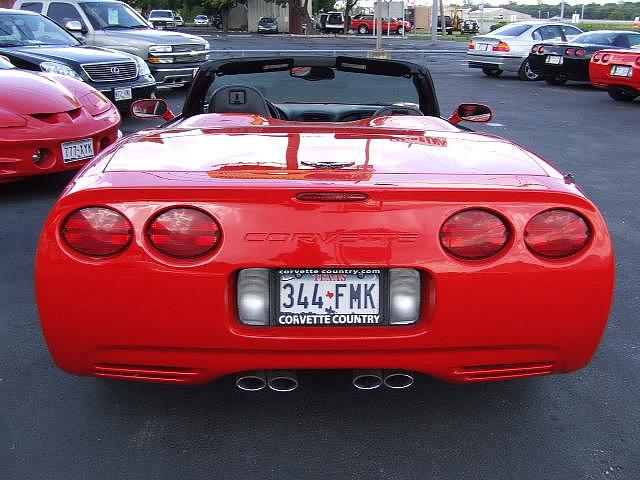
x=512 y=30
x=345 y=88
x=609 y=38
x=103 y=15
x=161 y=14
x=18 y=30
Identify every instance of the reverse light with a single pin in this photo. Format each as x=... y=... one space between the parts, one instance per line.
x=97 y=231
x=184 y=232
x=501 y=47
x=404 y=296
x=556 y=233
x=474 y=234
x=253 y=296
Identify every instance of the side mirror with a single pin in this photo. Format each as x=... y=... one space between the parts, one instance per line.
x=75 y=26
x=151 y=108
x=471 y=112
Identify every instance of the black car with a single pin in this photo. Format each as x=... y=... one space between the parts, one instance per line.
x=558 y=62
x=33 y=42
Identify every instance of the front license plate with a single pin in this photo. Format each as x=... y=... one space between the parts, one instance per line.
x=621 y=71
x=122 y=93
x=78 y=150
x=553 y=60
x=329 y=297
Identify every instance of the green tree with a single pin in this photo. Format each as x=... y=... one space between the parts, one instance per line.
x=223 y=7
x=301 y=7
x=322 y=6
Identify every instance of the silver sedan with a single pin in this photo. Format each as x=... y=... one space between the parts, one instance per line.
x=507 y=48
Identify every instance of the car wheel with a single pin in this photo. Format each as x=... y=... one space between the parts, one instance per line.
x=400 y=31
x=555 y=80
x=525 y=72
x=622 y=95
x=362 y=29
x=491 y=71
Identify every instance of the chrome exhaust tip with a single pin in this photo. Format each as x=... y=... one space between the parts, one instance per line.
x=397 y=379
x=252 y=381
x=282 y=380
x=367 y=379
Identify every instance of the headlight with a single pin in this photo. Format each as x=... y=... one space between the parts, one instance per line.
x=60 y=69
x=160 y=49
x=143 y=68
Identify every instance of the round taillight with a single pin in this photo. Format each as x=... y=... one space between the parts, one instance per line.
x=596 y=57
x=97 y=231
x=605 y=57
x=184 y=232
x=474 y=234
x=534 y=49
x=570 y=51
x=541 y=49
x=580 y=52
x=637 y=61
x=556 y=233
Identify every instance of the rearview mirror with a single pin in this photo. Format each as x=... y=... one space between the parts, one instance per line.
x=151 y=108
x=471 y=112
x=74 y=26
x=313 y=73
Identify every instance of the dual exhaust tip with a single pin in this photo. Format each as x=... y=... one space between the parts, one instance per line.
x=287 y=380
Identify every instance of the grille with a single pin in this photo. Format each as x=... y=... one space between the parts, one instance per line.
x=188 y=58
x=188 y=48
x=111 y=72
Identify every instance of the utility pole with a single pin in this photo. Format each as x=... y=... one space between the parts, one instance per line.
x=562 y=10
x=434 y=22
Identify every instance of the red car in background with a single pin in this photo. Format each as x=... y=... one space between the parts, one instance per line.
x=319 y=213
x=50 y=123
x=366 y=23
x=617 y=72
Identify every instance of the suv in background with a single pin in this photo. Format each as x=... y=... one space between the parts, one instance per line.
x=331 y=22
x=172 y=57
x=162 y=19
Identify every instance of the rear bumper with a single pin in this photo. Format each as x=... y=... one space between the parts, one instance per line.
x=601 y=77
x=571 y=69
x=503 y=62
x=516 y=314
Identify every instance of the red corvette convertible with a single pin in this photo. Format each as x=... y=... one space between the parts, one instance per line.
x=617 y=72
x=50 y=123
x=318 y=213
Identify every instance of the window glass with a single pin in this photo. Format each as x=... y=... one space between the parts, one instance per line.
x=23 y=29
x=63 y=13
x=32 y=7
x=548 y=32
x=512 y=30
x=570 y=31
x=107 y=15
x=634 y=40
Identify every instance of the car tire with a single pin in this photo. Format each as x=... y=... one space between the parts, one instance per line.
x=400 y=31
x=555 y=80
x=491 y=71
x=622 y=95
x=525 y=72
x=363 y=29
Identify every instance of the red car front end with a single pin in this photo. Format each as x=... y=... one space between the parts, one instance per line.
x=163 y=263
x=50 y=123
x=618 y=72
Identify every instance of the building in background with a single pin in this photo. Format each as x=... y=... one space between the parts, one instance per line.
x=289 y=20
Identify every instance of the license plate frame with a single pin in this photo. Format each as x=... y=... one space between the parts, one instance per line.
x=122 y=93
x=554 y=60
x=617 y=69
x=68 y=150
x=337 y=319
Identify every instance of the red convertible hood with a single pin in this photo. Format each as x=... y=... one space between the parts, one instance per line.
x=324 y=152
x=52 y=97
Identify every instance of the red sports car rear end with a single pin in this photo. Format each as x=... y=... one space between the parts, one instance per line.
x=241 y=244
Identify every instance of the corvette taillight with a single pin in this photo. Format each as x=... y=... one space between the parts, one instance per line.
x=605 y=58
x=184 y=232
x=637 y=61
x=534 y=49
x=474 y=234
x=556 y=233
x=540 y=49
x=570 y=52
x=501 y=47
x=97 y=231
x=596 y=57
x=580 y=52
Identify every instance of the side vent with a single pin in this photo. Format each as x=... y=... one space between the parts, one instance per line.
x=482 y=373
x=146 y=373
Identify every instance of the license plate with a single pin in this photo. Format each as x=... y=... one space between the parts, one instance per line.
x=621 y=71
x=553 y=60
x=482 y=46
x=329 y=297
x=78 y=150
x=122 y=93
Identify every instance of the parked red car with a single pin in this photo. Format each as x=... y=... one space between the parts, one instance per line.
x=286 y=220
x=50 y=123
x=366 y=24
x=617 y=72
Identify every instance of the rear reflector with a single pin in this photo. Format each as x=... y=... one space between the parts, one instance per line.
x=331 y=196
x=556 y=233
x=253 y=296
x=184 y=232
x=97 y=231
x=474 y=234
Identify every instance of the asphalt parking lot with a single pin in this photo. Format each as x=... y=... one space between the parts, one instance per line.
x=584 y=425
